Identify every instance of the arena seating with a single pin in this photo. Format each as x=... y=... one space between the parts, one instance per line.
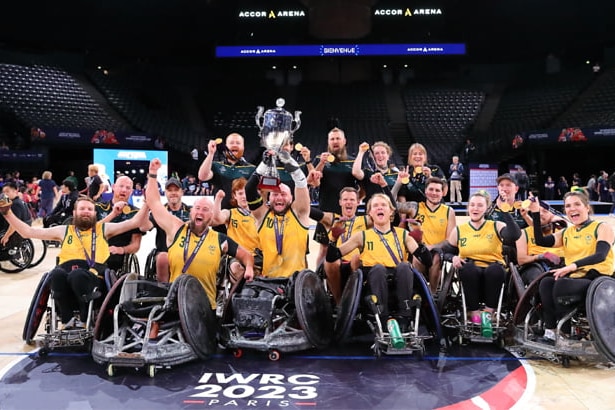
x=440 y=117
x=50 y=96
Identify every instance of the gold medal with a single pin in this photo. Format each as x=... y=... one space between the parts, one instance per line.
x=298 y=146
x=405 y=180
x=526 y=204
x=364 y=147
x=505 y=207
x=331 y=158
x=418 y=170
x=218 y=141
x=126 y=209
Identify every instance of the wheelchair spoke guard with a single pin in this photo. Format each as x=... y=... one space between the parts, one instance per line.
x=37 y=309
x=347 y=308
x=599 y=307
x=313 y=308
x=196 y=316
x=524 y=304
x=104 y=320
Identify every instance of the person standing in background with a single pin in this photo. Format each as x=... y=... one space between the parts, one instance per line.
x=72 y=178
x=455 y=171
x=95 y=184
x=49 y=192
x=523 y=182
x=549 y=189
x=561 y=187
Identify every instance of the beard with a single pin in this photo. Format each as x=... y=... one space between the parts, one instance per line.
x=197 y=230
x=83 y=223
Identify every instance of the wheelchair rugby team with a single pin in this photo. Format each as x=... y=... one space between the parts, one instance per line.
x=517 y=270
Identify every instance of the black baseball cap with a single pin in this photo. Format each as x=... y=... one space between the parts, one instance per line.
x=173 y=181
x=507 y=176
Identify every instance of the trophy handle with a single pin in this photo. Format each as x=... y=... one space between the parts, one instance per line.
x=259 y=117
x=297 y=122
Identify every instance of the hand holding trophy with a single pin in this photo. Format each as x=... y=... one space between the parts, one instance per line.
x=276 y=130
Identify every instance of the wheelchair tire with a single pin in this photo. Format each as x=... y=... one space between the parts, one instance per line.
x=104 y=321
x=131 y=264
x=37 y=309
x=445 y=289
x=150 y=265
x=314 y=311
x=21 y=260
x=599 y=307
x=40 y=251
x=348 y=306
x=197 y=319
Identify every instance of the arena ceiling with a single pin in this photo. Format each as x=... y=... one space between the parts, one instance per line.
x=493 y=29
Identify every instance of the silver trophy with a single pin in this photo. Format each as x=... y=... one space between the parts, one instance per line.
x=277 y=127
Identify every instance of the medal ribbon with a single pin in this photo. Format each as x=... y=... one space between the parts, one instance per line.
x=90 y=259
x=279 y=233
x=195 y=251
x=346 y=234
x=386 y=245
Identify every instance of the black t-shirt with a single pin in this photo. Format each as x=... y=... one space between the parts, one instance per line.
x=94 y=187
x=21 y=211
x=335 y=176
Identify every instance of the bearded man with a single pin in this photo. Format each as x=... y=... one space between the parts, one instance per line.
x=83 y=255
x=221 y=174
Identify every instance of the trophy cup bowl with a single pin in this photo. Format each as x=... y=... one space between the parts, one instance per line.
x=276 y=130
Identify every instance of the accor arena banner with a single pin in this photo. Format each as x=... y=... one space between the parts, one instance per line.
x=99 y=137
x=568 y=135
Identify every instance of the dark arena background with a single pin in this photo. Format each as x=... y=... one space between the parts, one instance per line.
x=530 y=83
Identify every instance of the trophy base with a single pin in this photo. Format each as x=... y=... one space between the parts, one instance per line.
x=269 y=184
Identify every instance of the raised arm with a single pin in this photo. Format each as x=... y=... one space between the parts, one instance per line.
x=221 y=216
x=301 y=204
x=205 y=172
x=139 y=221
x=54 y=233
x=168 y=222
x=357 y=165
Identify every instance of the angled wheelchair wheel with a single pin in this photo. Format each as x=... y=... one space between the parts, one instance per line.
x=40 y=251
x=21 y=259
x=348 y=306
x=150 y=265
x=445 y=287
x=131 y=264
x=429 y=310
x=524 y=304
x=600 y=305
x=37 y=309
x=104 y=321
x=313 y=308
x=196 y=317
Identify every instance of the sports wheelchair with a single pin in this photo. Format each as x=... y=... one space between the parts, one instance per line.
x=223 y=283
x=151 y=325
x=591 y=323
x=454 y=314
x=17 y=255
x=44 y=306
x=357 y=309
x=277 y=315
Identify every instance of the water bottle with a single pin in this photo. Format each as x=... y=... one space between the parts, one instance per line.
x=397 y=340
x=485 y=324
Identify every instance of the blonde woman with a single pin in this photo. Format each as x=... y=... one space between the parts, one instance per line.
x=419 y=170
